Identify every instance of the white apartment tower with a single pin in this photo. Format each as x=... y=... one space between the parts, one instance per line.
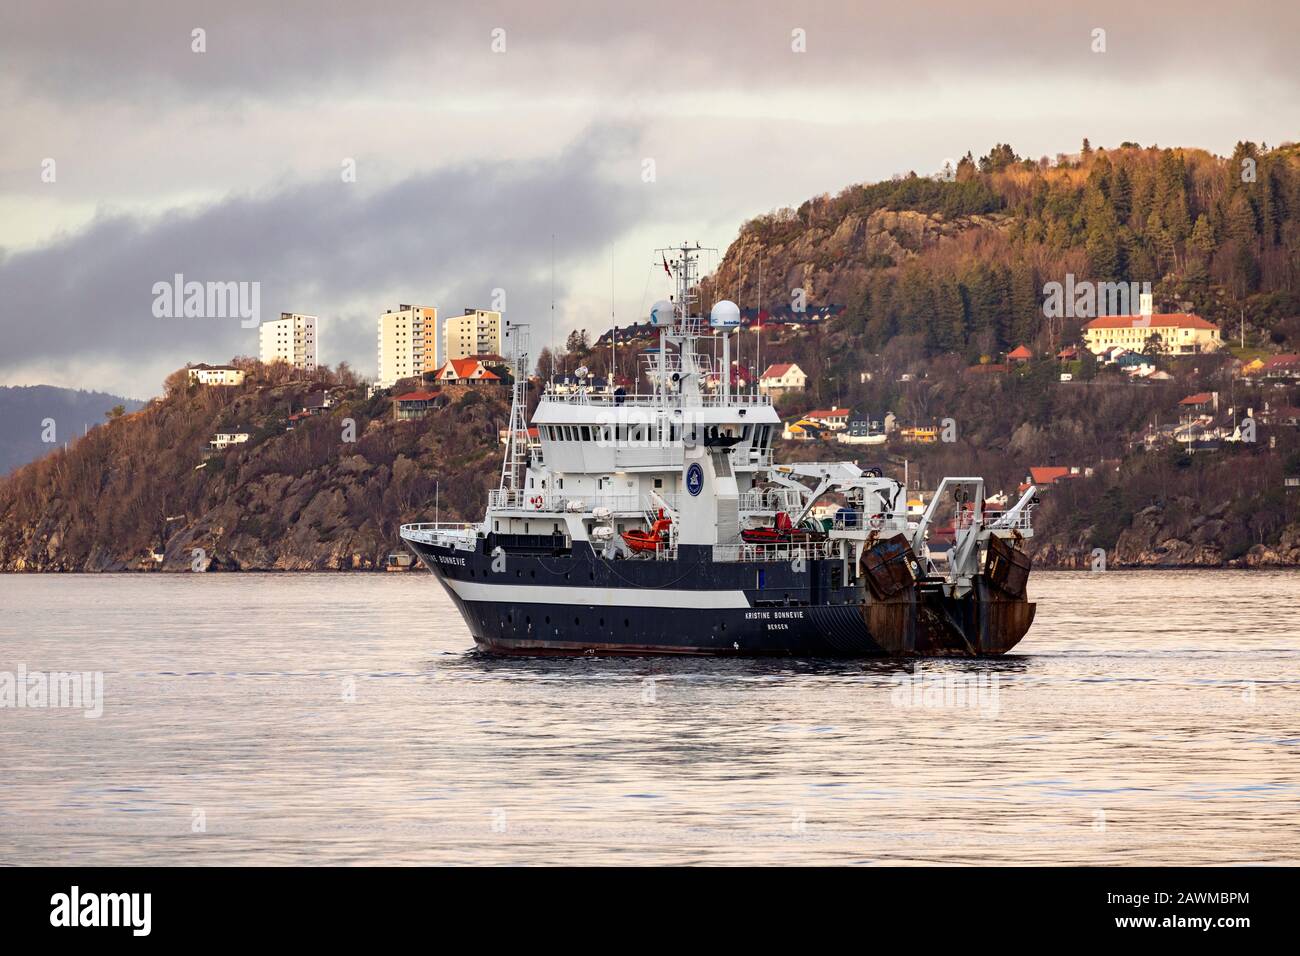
x=477 y=332
x=408 y=343
x=290 y=339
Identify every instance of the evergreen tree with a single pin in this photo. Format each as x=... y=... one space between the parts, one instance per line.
x=949 y=327
x=1121 y=194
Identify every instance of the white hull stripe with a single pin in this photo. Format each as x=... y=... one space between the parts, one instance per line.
x=507 y=592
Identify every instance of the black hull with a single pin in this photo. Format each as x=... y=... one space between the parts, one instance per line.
x=576 y=603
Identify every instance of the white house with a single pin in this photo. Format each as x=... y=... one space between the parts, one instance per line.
x=226 y=439
x=216 y=374
x=780 y=379
x=834 y=418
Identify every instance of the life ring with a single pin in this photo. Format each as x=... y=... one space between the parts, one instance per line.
x=536 y=502
x=876 y=522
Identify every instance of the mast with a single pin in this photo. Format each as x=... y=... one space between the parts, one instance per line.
x=516 y=457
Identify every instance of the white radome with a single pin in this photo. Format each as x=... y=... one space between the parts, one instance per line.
x=724 y=315
x=663 y=313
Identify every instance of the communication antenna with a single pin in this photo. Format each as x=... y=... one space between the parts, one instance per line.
x=550 y=333
x=613 y=330
x=758 y=346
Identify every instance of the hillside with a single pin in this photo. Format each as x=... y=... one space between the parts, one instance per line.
x=940 y=279
x=299 y=499
x=27 y=413
x=962 y=263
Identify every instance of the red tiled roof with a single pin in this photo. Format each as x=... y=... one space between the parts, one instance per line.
x=776 y=371
x=829 y=413
x=1200 y=398
x=465 y=368
x=416 y=397
x=1282 y=361
x=1048 y=475
x=1020 y=352
x=1178 y=320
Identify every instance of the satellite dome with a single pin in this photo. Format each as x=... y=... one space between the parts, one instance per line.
x=663 y=313
x=725 y=315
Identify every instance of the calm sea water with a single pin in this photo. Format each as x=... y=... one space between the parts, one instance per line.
x=1149 y=718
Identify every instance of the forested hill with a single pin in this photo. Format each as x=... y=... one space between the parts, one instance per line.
x=322 y=491
x=962 y=261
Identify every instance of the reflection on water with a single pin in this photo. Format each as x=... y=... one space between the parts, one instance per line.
x=1147 y=718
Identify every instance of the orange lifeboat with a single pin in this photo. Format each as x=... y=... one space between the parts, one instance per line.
x=650 y=541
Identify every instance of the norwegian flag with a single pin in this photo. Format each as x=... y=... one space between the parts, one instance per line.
x=666 y=269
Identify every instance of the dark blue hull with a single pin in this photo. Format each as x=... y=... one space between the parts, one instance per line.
x=579 y=603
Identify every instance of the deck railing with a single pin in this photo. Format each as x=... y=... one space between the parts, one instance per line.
x=881 y=521
x=555 y=502
x=994 y=519
x=808 y=551
x=440 y=533
x=649 y=399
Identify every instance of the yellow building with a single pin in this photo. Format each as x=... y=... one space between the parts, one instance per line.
x=408 y=343
x=477 y=332
x=1180 y=333
x=920 y=435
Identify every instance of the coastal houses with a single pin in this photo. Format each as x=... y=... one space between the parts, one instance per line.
x=834 y=418
x=231 y=436
x=781 y=379
x=1279 y=369
x=465 y=371
x=412 y=405
x=216 y=374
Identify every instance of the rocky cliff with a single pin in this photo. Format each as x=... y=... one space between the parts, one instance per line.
x=323 y=491
x=832 y=258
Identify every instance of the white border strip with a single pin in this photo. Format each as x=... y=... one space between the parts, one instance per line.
x=508 y=592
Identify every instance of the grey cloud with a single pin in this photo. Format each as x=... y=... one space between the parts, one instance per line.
x=454 y=234
x=79 y=50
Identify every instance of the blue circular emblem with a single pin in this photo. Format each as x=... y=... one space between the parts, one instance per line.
x=695 y=478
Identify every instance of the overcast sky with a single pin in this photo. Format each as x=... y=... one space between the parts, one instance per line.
x=227 y=165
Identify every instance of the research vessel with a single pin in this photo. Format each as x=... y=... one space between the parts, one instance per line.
x=656 y=520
